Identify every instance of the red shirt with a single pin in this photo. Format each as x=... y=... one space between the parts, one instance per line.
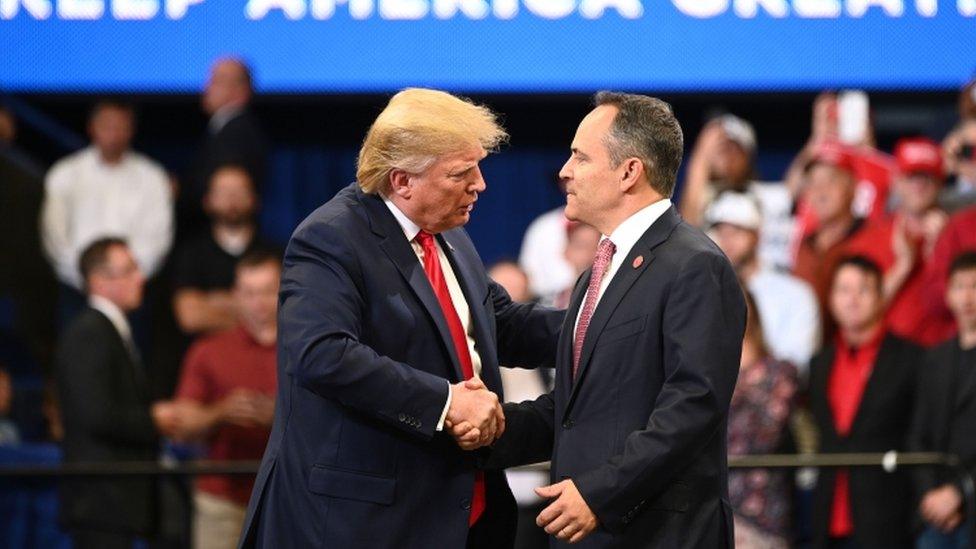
x=908 y=314
x=959 y=235
x=214 y=366
x=849 y=375
x=873 y=172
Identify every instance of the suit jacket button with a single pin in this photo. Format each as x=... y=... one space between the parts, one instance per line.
x=466 y=504
x=568 y=424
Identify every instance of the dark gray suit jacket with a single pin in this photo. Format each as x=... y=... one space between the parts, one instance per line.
x=642 y=431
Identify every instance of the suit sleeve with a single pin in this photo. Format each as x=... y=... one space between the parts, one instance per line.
x=923 y=428
x=87 y=393
x=528 y=333
x=704 y=320
x=528 y=437
x=321 y=323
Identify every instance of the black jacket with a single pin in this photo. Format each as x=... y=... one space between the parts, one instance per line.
x=240 y=141
x=642 y=431
x=881 y=502
x=105 y=407
x=938 y=395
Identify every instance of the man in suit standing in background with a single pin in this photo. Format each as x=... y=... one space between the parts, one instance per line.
x=234 y=136
x=385 y=310
x=648 y=357
x=105 y=405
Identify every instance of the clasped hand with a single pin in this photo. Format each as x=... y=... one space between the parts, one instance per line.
x=475 y=417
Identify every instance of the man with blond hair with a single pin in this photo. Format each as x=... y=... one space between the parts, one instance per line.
x=386 y=316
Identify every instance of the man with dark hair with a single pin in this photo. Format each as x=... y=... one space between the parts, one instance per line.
x=203 y=272
x=107 y=189
x=234 y=136
x=945 y=418
x=648 y=356
x=105 y=404
x=226 y=398
x=862 y=389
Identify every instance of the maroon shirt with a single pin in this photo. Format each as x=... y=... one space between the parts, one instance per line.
x=215 y=366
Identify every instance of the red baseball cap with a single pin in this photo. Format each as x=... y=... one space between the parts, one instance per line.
x=833 y=153
x=919 y=155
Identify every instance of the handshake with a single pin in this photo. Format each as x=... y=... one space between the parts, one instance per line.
x=475 y=417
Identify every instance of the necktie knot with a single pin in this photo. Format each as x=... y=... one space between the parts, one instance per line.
x=604 y=252
x=425 y=239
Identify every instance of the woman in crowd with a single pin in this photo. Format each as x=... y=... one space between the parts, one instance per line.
x=758 y=424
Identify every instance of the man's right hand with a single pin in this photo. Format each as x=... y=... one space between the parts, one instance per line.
x=475 y=417
x=940 y=507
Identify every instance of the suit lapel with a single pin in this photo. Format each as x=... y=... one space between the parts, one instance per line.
x=133 y=364
x=819 y=383
x=394 y=244
x=886 y=354
x=564 y=366
x=468 y=279
x=623 y=280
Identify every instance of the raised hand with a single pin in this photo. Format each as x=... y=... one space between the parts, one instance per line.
x=475 y=418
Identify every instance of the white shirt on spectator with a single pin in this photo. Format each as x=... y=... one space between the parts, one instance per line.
x=543 y=255
x=789 y=314
x=778 y=227
x=87 y=199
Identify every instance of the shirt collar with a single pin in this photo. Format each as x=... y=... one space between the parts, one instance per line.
x=633 y=228
x=410 y=229
x=223 y=116
x=114 y=314
x=872 y=344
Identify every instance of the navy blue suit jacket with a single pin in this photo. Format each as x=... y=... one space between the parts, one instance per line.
x=642 y=430
x=364 y=361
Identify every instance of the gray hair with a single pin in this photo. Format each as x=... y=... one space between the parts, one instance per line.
x=645 y=128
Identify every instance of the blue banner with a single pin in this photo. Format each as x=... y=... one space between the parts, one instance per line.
x=331 y=46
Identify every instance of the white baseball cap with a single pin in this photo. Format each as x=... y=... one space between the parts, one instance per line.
x=735 y=208
x=740 y=131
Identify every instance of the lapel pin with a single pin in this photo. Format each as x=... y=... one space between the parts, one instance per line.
x=638 y=261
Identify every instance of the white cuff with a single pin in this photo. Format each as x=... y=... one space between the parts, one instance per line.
x=447 y=406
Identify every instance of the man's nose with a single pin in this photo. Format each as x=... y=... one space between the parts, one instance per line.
x=479 y=181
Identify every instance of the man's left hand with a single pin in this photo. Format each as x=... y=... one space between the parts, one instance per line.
x=568 y=518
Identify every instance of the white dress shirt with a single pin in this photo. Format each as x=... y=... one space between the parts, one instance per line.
x=118 y=320
x=222 y=117
x=624 y=237
x=790 y=316
x=87 y=199
x=410 y=230
x=543 y=255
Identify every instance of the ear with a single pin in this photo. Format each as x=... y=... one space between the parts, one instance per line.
x=631 y=174
x=400 y=183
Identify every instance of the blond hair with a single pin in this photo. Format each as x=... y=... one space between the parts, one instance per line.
x=417 y=126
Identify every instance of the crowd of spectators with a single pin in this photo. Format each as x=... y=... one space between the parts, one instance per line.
x=859 y=269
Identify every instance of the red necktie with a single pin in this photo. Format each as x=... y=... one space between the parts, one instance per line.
x=600 y=263
x=432 y=266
